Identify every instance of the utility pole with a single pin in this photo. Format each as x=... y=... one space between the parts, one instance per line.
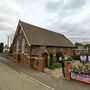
x=8 y=43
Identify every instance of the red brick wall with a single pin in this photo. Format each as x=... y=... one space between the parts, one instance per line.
x=67 y=51
x=38 y=63
x=24 y=59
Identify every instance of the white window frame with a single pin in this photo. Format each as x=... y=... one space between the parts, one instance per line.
x=23 y=45
x=17 y=48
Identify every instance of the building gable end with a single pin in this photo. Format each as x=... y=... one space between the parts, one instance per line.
x=24 y=34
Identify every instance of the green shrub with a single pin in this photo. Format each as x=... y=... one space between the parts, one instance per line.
x=73 y=58
x=1 y=47
x=70 y=59
x=76 y=57
x=55 y=65
x=80 y=68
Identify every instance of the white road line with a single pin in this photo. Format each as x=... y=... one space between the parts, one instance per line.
x=29 y=77
x=37 y=81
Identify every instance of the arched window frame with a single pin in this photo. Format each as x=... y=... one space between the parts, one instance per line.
x=17 y=48
x=23 y=45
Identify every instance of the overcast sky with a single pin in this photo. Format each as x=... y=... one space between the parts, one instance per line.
x=69 y=17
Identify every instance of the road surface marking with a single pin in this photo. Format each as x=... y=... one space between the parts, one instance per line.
x=37 y=81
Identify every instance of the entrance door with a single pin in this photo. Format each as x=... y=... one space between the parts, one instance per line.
x=45 y=56
x=18 y=58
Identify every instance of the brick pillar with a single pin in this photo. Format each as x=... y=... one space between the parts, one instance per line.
x=67 y=70
x=41 y=64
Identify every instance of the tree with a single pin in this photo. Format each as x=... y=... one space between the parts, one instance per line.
x=77 y=44
x=87 y=45
x=1 y=47
x=59 y=54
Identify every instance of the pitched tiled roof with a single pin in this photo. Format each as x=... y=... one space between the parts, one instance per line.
x=40 y=36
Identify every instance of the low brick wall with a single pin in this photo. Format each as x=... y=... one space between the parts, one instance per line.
x=34 y=62
x=38 y=63
x=15 y=56
x=24 y=59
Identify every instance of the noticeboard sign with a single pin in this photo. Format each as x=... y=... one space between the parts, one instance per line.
x=89 y=59
x=83 y=58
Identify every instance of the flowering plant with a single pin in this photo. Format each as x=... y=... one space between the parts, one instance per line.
x=81 y=69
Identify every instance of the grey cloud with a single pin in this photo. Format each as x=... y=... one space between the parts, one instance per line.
x=53 y=6
x=25 y=3
x=60 y=5
x=3 y=20
x=79 y=31
x=65 y=21
x=10 y=11
x=5 y=28
x=64 y=9
x=6 y=24
x=8 y=16
x=74 y=4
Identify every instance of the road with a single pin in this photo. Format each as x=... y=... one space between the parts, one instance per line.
x=12 y=80
x=25 y=74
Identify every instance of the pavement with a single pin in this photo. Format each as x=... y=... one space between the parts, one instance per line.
x=55 y=73
x=44 y=78
x=12 y=80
